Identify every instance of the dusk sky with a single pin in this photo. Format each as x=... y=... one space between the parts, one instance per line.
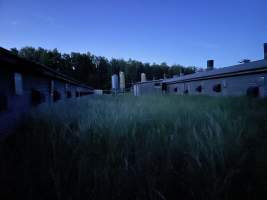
x=186 y=32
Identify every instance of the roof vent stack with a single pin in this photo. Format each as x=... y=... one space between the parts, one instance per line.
x=210 y=64
x=265 y=51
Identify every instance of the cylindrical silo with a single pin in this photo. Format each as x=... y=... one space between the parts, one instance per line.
x=143 y=77
x=122 y=81
x=115 y=82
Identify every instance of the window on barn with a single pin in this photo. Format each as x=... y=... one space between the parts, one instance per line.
x=56 y=96
x=18 y=84
x=157 y=84
x=175 y=89
x=3 y=103
x=199 y=88
x=77 y=94
x=217 y=88
x=253 y=91
x=37 y=97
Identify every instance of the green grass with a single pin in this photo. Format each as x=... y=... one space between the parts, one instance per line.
x=151 y=147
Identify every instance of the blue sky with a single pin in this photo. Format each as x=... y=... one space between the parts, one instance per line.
x=186 y=32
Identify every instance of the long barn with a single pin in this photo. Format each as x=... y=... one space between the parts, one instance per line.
x=246 y=79
x=24 y=84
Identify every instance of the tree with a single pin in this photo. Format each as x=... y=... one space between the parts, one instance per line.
x=97 y=71
x=15 y=51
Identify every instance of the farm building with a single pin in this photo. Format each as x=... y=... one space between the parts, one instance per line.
x=25 y=84
x=148 y=87
x=248 y=78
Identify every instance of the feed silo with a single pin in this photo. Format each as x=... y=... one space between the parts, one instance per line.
x=115 y=82
x=122 y=82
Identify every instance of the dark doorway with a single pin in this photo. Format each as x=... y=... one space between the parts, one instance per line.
x=37 y=97
x=199 y=88
x=56 y=96
x=164 y=87
x=3 y=103
x=253 y=91
x=69 y=95
x=217 y=88
x=77 y=94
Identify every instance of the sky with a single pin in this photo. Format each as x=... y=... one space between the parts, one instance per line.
x=186 y=32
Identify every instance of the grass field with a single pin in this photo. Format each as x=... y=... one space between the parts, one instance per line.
x=151 y=147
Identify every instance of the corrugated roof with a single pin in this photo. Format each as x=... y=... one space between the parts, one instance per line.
x=151 y=81
x=23 y=64
x=251 y=66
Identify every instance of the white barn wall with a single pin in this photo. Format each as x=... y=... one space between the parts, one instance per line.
x=231 y=86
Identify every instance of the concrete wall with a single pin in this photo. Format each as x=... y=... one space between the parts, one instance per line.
x=7 y=113
x=36 y=90
x=147 y=88
x=230 y=86
x=59 y=89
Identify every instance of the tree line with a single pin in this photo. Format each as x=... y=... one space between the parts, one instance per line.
x=96 y=71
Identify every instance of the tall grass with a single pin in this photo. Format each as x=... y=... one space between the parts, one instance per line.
x=151 y=147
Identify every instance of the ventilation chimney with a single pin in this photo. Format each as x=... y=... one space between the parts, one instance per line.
x=210 y=64
x=265 y=51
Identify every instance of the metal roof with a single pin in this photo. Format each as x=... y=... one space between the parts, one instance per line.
x=22 y=64
x=225 y=71
x=150 y=81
